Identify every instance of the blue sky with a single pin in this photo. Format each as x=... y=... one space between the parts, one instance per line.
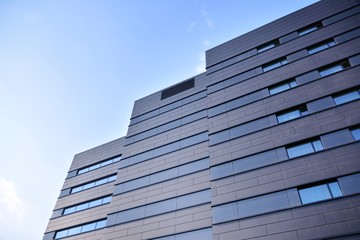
x=70 y=72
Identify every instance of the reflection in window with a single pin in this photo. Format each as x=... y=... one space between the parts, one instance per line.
x=320 y=192
x=282 y=87
x=356 y=133
x=93 y=184
x=304 y=148
x=334 y=68
x=268 y=46
x=86 y=205
x=275 y=64
x=98 y=165
x=347 y=97
x=80 y=229
x=287 y=116
x=322 y=46
x=310 y=28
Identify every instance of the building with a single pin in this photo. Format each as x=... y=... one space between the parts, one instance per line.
x=263 y=145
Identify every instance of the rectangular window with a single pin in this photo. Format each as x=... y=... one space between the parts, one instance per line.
x=320 y=192
x=321 y=46
x=80 y=229
x=325 y=71
x=275 y=64
x=346 y=97
x=293 y=114
x=93 y=184
x=356 y=133
x=310 y=28
x=268 y=46
x=86 y=205
x=98 y=165
x=282 y=87
x=304 y=148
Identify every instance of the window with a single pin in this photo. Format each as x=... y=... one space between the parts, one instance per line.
x=320 y=192
x=80 y=229
x=267 y=46
x=282 y=87
x=181 y=87
x=274 y=64
x=356 y=133
x=333 y=68
x=93 y=184
x=287 y=116
x=346 y=97
x=310 y=28
x=86 y=205
x=304 y=148
x=322 y=46
x=202 y=234
x=98 y=165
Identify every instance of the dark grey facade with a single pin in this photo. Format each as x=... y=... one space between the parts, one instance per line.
x=263 y=145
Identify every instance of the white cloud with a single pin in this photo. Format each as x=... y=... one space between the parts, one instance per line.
x=191 y=26
x=10 y=203
x=206 y=17
x=201 y=66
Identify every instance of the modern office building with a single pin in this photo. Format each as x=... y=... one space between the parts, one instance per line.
x=263 y=145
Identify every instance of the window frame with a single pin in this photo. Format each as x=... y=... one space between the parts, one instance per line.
x=66 y=232
x=289 y=83
x=330 y=191
x=326 y=70
x=98 y=165
x=269 y=45
x=301 y=110
x=310 y=28
x=313 y=143
x=274 y=64
x=319 y=46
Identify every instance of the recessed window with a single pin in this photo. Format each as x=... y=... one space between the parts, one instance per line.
x=347 y=97
x=268 y=46
x=282 y=87
x=310 y=28
x=93 y=184
x=356 y=133
x=322 y=46
x=304 y=148
x=80 y=229
x=333 y=68
x=320 y=192
x=86 y=205
x=296 y=113
x=274 y=64
x=98 y=165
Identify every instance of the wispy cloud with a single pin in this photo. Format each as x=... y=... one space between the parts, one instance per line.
x=206 y=17
x=200 y=67
x=191 y=26
x=10 y=202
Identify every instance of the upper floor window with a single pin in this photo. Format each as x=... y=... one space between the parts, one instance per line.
x=92 y=184
x=310 y=28
x=334 y=68
x=80 y=229
x=304 y=148
x=275 y=64
x=86 y=205
x=296 y=113
x=282 y=87
x=268 y=46
x=356 y=133
x=321 y=46
x=346 y=97
x=320 y=192
x=98 y=165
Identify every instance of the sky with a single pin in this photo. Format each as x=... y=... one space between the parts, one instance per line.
x=71 y=70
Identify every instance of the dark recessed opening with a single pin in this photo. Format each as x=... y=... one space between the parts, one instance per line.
x=177 y=88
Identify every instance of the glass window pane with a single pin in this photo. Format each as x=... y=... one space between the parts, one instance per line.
x=82 y=206
x=89 y=185
x=95 y=203
x=106 y=163
x=300 y=150
x=69 y=210
x=100 y=224
x=293 y=83
x=88 y=227
x=93 y=167
x=347 y=97
x=112 y=178
x=279 y=88
x=330 y=70
x=101 y=181
x=335 y=189
x=61 y=234
x=288 y=116
x=272 y=66
x=314 y=194
x=106 y=200
x=356 y=134
x=317 y=48
x=77 y=189
x=75 y=230
x=318 y=145
x=84 y=170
